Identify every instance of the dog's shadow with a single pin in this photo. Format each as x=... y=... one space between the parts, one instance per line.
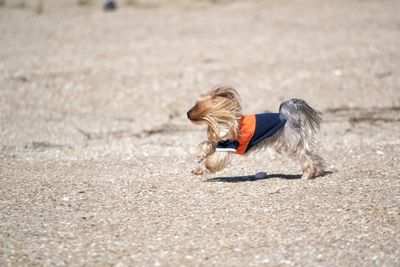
x=250 y=178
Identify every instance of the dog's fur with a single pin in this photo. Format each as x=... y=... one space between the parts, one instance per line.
x=221 y=111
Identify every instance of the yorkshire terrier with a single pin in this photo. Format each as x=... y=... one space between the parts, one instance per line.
x=229 y=131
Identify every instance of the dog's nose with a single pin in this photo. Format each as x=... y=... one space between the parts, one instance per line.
x=188 y=114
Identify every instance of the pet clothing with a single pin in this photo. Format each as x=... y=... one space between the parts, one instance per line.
x=253 y=130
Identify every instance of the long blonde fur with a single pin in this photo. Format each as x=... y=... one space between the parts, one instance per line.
x=220 y=108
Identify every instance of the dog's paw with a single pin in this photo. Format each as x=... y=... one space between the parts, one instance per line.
x=198 y=171
x=308 y=175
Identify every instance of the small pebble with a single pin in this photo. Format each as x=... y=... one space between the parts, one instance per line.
x=337 y=72
x=260 y=175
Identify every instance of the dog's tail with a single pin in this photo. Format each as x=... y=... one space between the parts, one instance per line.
x=298 y=113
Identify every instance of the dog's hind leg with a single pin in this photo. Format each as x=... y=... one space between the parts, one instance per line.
x=312 y=165
x=301 y=147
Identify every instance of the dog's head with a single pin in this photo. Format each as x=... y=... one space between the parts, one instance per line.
x=220 y=110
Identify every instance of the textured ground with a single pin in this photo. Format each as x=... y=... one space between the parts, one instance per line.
x=96 y=152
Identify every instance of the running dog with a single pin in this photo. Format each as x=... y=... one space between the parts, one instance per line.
x=290 y=131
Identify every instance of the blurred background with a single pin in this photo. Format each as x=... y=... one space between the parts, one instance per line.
x=96 y=149
x=68 y=65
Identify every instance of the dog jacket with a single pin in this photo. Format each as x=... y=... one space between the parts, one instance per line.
x=253 y=129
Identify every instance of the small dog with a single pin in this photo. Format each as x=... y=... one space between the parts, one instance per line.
x=229 y=131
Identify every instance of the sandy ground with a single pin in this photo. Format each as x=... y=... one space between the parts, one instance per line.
x=96 y=151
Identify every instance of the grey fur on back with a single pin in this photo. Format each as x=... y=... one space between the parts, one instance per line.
x=298 y=113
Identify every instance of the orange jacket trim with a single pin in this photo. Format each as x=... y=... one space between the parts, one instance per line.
x=247 y=129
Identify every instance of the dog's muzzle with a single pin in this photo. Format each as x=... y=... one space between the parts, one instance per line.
x=190 y=115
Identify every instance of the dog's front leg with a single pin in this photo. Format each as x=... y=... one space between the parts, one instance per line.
x=213 y=163
x=204 y=149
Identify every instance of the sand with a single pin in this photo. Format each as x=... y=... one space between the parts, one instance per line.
x=96 y=150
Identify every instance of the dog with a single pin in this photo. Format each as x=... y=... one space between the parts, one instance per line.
x=290 y=131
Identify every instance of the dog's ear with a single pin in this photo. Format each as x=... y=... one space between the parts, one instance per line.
x=226 y=92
